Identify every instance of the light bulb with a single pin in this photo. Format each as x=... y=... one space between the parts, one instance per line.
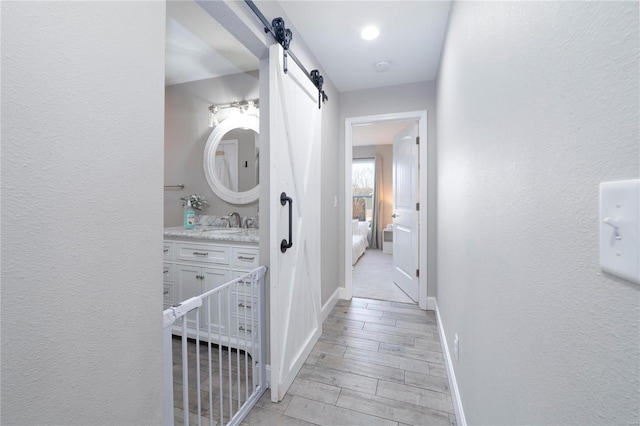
x=251 y=109
x=213 y=120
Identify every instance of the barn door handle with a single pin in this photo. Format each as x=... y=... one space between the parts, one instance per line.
x=284 y=245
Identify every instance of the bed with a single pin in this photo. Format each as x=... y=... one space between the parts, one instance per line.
x=359 y=231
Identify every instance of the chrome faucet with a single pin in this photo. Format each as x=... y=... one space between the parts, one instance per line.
x=237 y=216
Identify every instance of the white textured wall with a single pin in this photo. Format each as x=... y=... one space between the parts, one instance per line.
x=330 y=150
x=82 y=130
x=386 y=100
x=186 y=133
x=537 y=104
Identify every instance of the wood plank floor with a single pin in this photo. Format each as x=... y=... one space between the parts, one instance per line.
x=376 y=363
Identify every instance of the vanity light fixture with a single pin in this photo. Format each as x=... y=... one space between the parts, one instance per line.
x=246 y=107
x=213 y=119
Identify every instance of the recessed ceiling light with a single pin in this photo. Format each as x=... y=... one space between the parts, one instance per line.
x=370 y=33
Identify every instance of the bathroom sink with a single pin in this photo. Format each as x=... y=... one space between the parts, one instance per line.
x=222 y=230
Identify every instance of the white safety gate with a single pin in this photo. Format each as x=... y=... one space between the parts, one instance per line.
x=224 y=352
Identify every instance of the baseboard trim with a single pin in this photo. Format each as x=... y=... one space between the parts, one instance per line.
x=431 y=303
x=268 y=374
x=344 y=294
x=327 y=307
x=453 y=384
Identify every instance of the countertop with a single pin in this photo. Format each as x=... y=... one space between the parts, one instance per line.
x=214 y=233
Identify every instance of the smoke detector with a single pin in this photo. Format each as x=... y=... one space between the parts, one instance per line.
x=383 y=66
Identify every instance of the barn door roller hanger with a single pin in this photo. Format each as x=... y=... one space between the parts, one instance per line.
x=283 y=36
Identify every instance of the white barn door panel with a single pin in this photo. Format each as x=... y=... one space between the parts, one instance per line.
x=294 y=161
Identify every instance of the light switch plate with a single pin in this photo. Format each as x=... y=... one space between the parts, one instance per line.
x=620 y=229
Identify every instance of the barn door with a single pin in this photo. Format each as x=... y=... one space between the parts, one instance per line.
x=294 y=126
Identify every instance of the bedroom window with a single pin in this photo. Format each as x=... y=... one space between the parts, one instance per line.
x=362 y=183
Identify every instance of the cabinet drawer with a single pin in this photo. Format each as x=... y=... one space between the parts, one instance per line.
x=244 y=287
x=202 y=253
x=167 y=295
x=245 y=308
x=168 y=250
x=167 y=273
x=245 y=257
x=242 y=325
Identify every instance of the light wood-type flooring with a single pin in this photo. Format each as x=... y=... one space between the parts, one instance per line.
x=377 y=363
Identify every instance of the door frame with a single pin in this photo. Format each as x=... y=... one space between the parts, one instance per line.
x=421 y=117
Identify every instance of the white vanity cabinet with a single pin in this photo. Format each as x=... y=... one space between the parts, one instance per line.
x=244 y=298
x=194 y=280
x=167 y=275
x=197 y=267
x=245 y=302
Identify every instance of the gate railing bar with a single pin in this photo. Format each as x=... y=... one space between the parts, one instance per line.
x=249 y=338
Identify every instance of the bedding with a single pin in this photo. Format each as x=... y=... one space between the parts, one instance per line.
x=359 y=230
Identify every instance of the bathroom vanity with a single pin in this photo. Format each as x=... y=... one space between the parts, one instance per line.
x=201 y=259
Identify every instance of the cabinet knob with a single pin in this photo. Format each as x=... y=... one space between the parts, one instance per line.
x=246 y=258
x=195 y=253
x=241 y=328
x=242 y=305
x=166 y=292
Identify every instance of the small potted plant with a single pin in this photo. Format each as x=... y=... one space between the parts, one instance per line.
x=190 y=203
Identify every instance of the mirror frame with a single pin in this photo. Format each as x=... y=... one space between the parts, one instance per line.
x=235 y=121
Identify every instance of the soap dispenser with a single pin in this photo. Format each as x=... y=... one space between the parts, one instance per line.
x=189 y=216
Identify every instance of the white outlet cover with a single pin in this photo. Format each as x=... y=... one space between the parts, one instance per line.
x=620 y=229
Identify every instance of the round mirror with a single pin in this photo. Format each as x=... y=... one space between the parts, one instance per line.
x=231 y=158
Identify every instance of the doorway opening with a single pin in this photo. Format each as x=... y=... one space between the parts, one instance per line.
x=371 y=275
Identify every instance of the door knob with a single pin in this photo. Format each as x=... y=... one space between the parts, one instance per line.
x=395 y=215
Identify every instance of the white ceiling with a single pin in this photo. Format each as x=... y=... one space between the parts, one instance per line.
x=198 y=47
x=378 y=133
x=411 y=37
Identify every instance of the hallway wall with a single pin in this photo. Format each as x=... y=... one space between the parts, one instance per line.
x=82 y=132
x=386 y=100
x=537 y=104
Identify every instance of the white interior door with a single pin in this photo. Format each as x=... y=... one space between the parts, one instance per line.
x=294 y=125
x=405 y=213
x=227 y=163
